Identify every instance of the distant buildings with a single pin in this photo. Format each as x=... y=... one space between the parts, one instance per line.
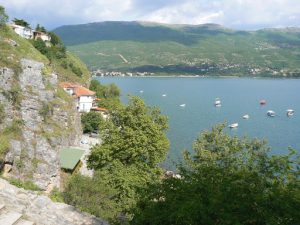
x=28 y=33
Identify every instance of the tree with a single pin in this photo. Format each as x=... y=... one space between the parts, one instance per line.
x=3 y=16
x=134 y=143
x=21 y=22
x=227 y=180
x=91 y=122
x=40 y=45
x=102 y=91
x=40 y=28
x=55 y=39
x=134 y=134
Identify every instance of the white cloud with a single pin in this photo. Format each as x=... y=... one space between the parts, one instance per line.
x=231 y=13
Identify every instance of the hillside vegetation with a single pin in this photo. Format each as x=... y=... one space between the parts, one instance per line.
x=14 y=48
x=184 y=49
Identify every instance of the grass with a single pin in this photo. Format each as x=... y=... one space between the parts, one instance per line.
x=27 y=185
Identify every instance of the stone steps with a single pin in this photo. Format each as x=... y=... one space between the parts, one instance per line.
x=9 y=217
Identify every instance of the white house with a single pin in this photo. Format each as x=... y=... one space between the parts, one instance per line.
x=24 y=32
x=84 y=97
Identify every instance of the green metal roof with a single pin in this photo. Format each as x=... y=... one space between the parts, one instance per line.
x=69 y=157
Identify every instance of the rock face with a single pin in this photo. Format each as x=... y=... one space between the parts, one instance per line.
x=46 y=120
x=40 y=209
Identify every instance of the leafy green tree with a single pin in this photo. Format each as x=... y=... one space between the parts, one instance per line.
x=40 y=28
x=91 y=122
x=21 y=22
x=55 y=39
x=103 y=91
x=3 y=16
x=134 y=143
x=134 y=134
x=227 y=180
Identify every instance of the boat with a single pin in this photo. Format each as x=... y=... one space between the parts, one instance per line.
x=271 y=113
x=164 y=95
x=262 y=102
x=182 y=105
x=217 y=102
x=234 y=125
x=246 y=116
x=141 y=91
x=290 y=112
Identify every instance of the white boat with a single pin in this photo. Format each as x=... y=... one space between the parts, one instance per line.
x=271 y=113
x=182 y=105
x=234 y=125
x=246 y=116
x=141 y=91
x=217 y=102
x=290 y=112
x=164 y=95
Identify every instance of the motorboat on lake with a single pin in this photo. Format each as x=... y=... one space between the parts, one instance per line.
x=271 y=113
x=262 y=102
x=217 y=102
x=141 y=91
x=290 y=112
x=164 y=95
x=234 y=125
x=246 y=116
x=182 y=105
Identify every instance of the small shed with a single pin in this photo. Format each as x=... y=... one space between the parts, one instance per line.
x=70 y=159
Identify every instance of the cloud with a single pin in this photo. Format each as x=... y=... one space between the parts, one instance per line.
x=231 y=13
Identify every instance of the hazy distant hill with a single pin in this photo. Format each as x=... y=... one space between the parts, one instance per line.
x=207 y=49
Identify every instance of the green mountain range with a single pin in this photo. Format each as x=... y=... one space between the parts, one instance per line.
x=208 y=49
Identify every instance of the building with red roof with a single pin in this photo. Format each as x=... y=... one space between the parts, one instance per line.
x=84 y=97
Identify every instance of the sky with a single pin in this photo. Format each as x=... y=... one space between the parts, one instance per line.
x=236 y=14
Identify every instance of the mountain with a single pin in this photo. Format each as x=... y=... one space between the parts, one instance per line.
x=207 y=49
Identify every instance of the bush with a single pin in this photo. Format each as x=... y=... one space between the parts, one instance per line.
x=91 y=195
x=91 y=122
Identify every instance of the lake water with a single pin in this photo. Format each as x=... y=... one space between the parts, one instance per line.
x=239 y=96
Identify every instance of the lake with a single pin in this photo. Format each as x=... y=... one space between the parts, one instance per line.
x=239 y=96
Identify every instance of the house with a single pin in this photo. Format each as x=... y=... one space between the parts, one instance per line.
x=44 y=36
x=24 y=32
x=83 y=96
x=70 y=159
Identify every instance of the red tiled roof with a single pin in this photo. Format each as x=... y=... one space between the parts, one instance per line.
x=79 y=91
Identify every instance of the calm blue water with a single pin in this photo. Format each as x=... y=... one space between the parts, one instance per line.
x=239 y=96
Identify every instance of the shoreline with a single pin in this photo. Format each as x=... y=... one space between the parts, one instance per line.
x=199 y=76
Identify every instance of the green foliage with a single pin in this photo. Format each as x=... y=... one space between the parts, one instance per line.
x=3 y=16
x=91 y=122
x=27 y=185
x=134 y=134
x=56 y=195
x=40 y=28
x=109 y=94
x=40 y=45
x=55 y=39
x=21 y=22
x=227 y=180
x=92 y=195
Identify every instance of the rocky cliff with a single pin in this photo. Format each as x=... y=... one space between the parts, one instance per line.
x=38 y=119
